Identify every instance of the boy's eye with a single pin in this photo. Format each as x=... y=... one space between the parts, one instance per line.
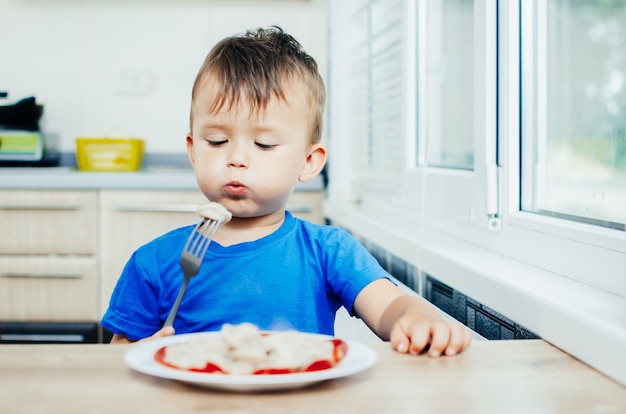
x=264 y=146
x=216 y=142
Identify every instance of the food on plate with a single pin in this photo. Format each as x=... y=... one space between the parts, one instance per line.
x=244 y=349
x=215 y=211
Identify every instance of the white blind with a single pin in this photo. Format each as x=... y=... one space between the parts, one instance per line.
x=378 y=96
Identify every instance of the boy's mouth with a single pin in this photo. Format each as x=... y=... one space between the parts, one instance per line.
x=235 y=188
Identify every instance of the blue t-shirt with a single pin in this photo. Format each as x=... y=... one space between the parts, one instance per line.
x=294 y=278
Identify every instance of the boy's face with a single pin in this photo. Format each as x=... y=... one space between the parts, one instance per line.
x=250 y=162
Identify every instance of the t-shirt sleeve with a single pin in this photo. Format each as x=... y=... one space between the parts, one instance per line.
x=133 y=308
x=349 y=267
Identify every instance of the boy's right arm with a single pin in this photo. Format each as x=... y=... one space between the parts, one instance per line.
x=123 y=339
x=120 y=339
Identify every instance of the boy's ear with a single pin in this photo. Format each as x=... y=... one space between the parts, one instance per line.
x=190 y=149
x=314 y=163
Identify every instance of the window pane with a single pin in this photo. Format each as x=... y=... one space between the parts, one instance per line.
x=574 y=142
x=449 y=83
x=378 y=95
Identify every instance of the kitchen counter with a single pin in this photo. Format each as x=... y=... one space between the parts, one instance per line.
x=490 y=377
x=67 y=178
x=150 y=178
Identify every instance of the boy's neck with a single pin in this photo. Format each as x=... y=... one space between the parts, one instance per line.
x=247 y=229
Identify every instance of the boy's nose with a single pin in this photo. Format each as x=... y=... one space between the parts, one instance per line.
x=238 y=157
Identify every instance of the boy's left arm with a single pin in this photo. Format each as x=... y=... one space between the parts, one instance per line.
x=409 y=322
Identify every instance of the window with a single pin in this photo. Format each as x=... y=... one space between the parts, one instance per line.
x=455 y=54
x=490 y=155
x=378 y=95
x=448 y=49
x=460 y=112
x=574 y=102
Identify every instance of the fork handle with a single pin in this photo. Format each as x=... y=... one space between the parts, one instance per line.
x=172 y=315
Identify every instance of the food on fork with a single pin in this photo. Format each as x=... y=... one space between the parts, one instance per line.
x=243 y=349
x=215 y=211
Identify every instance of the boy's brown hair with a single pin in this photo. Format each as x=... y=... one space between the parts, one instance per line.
x=258 y=65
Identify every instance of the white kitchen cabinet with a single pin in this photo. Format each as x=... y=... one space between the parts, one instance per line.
x=62 y=251
x=129 y=219
x=51 y=288
x=307 y=205
x=48 y=222
x=48 y=255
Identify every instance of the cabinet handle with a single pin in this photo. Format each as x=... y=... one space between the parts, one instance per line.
x=300 y=208
x=191 y=208
x=42 y=337
x=160 y=208
x=26 y=207
x=42 y=275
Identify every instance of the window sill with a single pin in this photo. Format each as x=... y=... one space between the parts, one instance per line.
x=588 y=323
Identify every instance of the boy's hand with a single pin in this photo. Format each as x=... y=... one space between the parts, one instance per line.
x=167 y=331
x=416 y=334
x=412 y=324
x=122 y=339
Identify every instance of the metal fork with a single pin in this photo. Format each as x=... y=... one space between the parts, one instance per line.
x=190 y=260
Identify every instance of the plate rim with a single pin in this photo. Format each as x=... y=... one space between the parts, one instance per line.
x=140 y=357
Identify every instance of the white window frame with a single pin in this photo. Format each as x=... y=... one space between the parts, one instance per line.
x=555 y=277
x=464 y=200
x=576 y=243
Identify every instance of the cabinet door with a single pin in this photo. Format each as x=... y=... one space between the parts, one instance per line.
x=44 y=222
x=307 y=205
x=48 y=288
x=130 y=219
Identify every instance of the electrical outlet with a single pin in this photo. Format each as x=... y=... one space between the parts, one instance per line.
x=134 y=83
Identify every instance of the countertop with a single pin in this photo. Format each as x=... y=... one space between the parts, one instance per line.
x=166 y=172
x=66 y=178
x=528 y=376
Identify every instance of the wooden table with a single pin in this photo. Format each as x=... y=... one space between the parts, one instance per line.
x=490 y=377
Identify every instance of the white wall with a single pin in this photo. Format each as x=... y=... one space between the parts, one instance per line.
x=125 y=68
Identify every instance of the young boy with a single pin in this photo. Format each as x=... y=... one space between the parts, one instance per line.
x=256 y=121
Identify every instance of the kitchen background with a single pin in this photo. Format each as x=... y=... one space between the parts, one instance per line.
x=110 y=69
x=125 y=68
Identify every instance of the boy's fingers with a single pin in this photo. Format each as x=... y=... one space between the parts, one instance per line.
x=409 y=337
x=167 y=331
x=419 y=336
x=460 y=338
x=412 y=338
x=440 y=338
x=399 y=340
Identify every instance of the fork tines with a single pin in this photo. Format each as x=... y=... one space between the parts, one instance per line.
x=201 y=237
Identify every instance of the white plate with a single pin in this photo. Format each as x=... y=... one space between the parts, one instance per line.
x=140 y=357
